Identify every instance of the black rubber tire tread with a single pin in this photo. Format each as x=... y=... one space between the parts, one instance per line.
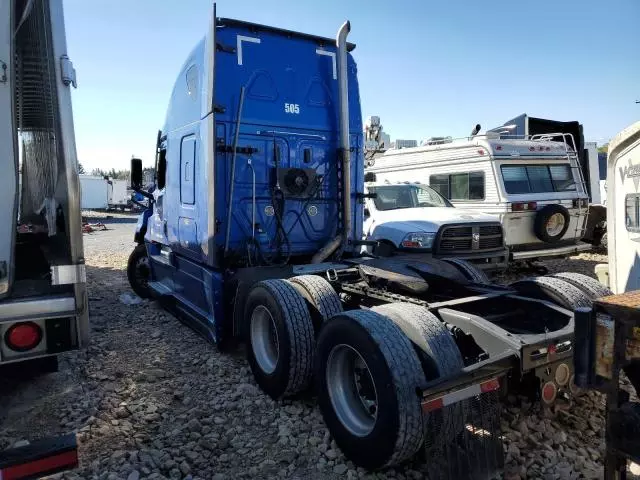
x=543 y=216
x=553 y=289
x=470 y=271
x=139 y=251
x=299 y=328
x=592 y=287
x=438 y=342
x=444 y=358
x=320 y=294
x=403 y=364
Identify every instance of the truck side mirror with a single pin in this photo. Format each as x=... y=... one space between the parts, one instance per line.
x=136 y=174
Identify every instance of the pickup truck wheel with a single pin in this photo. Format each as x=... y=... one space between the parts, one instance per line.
x=322 y=300
x=470 y=271
x=139 y=272
x=555 y=290
x=367 y=373
x=280 y=338
x=590 y=286
x=439 y=356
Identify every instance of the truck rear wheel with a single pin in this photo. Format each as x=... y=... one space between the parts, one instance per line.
x=590 y=286
x=440 y=357
x=280 y=338
x=553 y=289
x=322 y=299
x=470 y=271
x=139 y=272
x=367 y=372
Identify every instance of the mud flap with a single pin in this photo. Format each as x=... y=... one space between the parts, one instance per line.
x=40 y=458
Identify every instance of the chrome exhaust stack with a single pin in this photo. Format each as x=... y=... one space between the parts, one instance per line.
x=344 y=149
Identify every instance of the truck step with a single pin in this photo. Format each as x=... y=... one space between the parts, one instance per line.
x=163 y=259
x=160 y=289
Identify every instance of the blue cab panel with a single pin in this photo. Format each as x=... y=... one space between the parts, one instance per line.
x=286 y=196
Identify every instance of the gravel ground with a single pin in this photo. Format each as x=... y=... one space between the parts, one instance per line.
x=151 y=399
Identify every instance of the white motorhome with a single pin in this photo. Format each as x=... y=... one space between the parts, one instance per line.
x=623 y=212
x=533 y=183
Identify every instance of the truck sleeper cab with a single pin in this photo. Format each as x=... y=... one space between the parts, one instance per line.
x=43 y=299
x=254 y=231
x=534 y=184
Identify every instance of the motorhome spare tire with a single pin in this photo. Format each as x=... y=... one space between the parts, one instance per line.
x=551 y=223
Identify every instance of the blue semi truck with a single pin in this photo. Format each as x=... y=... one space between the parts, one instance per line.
x=254 y=231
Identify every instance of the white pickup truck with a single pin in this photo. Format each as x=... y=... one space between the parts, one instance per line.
x=414 y=219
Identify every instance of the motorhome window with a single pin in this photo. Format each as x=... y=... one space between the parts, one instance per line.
x=459 y=186
x=440 y=183
x=632 y=212
x=520 y=179
x=393 y=197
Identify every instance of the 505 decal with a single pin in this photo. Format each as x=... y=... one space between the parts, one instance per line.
x=293 y=108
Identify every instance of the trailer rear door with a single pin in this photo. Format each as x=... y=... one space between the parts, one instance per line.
x=8 y=160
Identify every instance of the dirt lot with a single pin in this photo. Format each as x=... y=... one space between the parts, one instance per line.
x=150 y=399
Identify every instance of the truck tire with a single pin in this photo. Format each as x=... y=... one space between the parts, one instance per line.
x=555 y=290
x=367 y=372
x=590 y=286
x=322 y=300
x=551 y=223
x=469 y=270
x=139 y=272
x=280 y=338
x=439 y=356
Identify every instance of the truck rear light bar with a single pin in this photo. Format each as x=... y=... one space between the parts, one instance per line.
x=454 y=397
x=553 y=349
x=40 y=458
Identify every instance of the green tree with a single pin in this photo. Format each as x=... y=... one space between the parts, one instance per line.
x=81 y=169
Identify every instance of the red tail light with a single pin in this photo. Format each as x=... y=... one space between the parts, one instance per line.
x=522 y=207
x=549 y=393
x=23 y=336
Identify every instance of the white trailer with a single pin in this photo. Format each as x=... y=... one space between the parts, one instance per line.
x=94 y=192
x=118 y=194
x=43 y=298
x=623 y=212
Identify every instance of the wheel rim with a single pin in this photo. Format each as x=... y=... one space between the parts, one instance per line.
x=264 y=339
x=352 y=390
x=555 y=224
x=142 y=272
